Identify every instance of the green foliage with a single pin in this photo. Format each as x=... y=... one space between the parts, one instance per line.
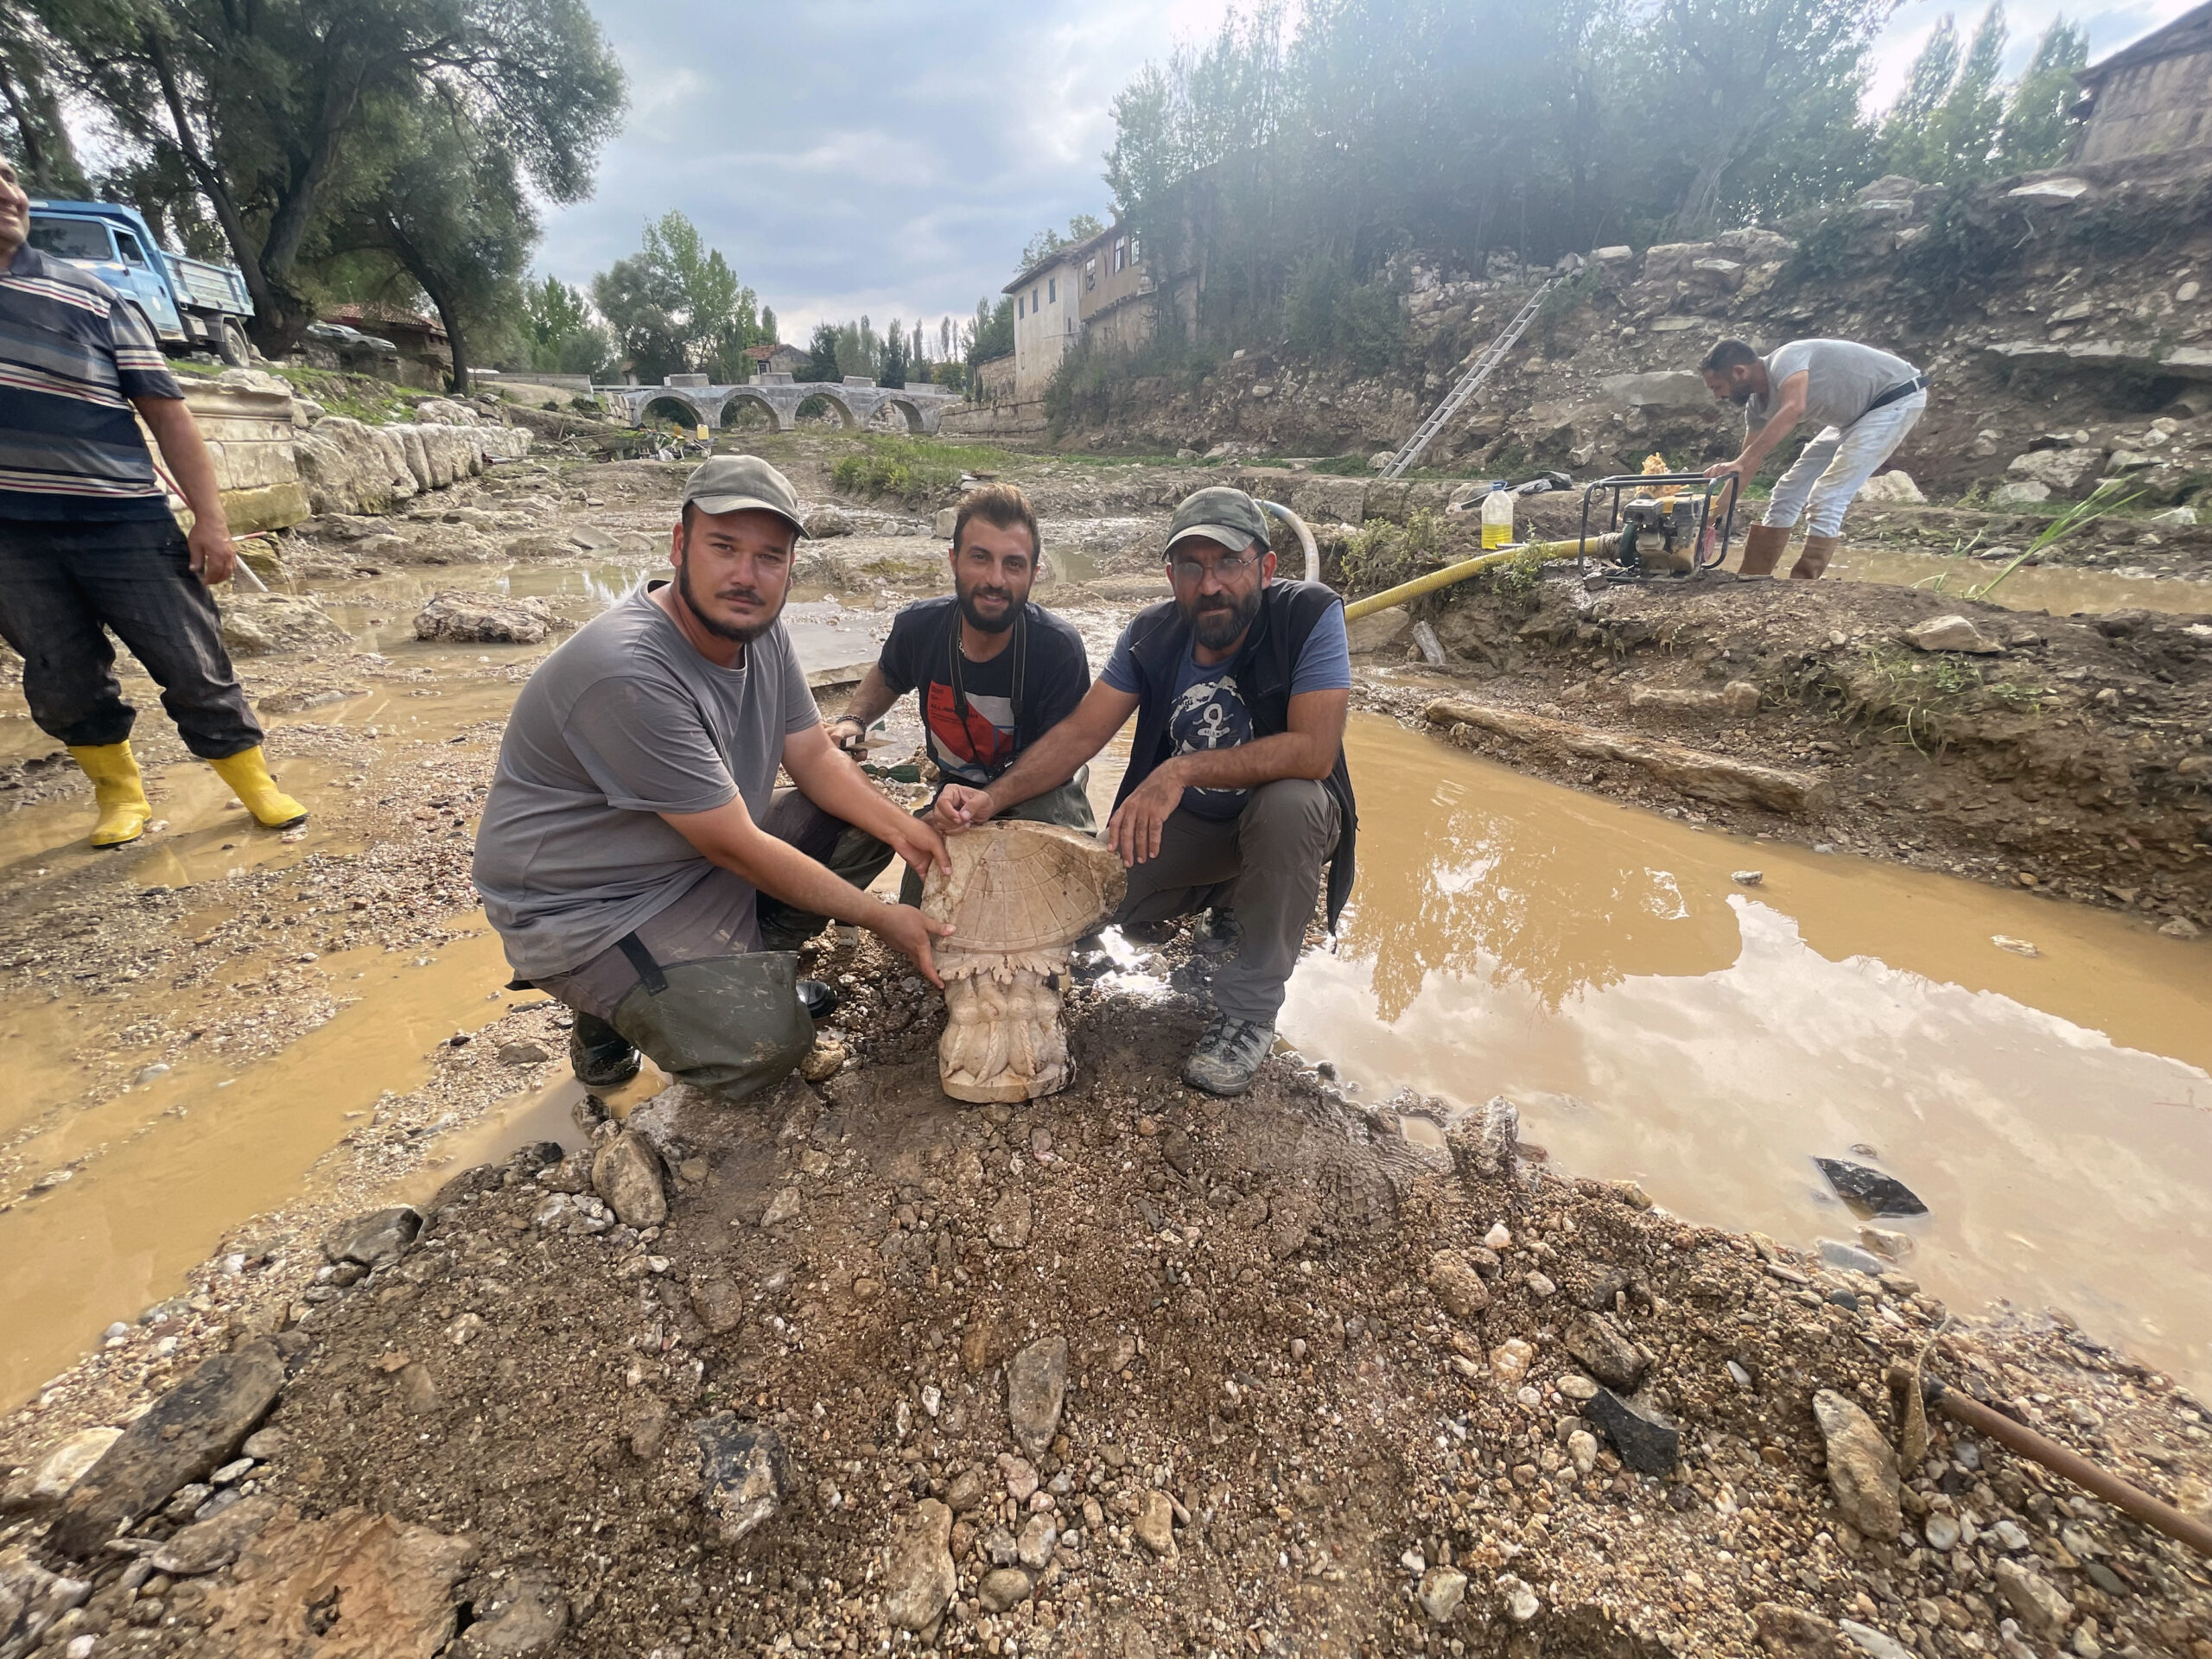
x=913 y=470
x=991 y=332
x=1049 y=241
x=1519 y=576
x=676 y=305
x=1327 y=313
x=1955 y=123
x=1380 y=554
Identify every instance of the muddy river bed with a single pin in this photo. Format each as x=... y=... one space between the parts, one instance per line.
x=224 y=1039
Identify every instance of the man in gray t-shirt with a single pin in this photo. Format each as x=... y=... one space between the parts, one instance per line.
x=1862 y=402
x=635 y=854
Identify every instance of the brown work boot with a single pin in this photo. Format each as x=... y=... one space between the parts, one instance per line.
x=1813 y=557
x=1763 y=546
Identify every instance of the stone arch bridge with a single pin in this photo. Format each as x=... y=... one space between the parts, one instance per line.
x=857 y=401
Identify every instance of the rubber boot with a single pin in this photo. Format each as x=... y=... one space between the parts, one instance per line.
x=1763 y=549
x=125 y=810
x=247 y=773
x=1813 y=557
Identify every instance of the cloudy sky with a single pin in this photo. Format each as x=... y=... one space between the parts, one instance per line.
x=891 y=157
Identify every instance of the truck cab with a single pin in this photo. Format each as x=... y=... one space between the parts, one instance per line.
x=187 y=304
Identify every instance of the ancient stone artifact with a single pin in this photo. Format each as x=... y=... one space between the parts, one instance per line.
x=1018 y=895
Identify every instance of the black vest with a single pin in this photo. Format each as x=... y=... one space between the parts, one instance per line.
x=1160 y=640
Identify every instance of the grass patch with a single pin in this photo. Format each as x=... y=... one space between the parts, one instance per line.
x=913 y=470
x=1382 y=555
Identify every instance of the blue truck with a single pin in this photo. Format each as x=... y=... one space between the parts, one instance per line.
x=187 y=304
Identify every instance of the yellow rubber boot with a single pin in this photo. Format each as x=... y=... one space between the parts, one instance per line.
x=125 y=810
x=247 y=773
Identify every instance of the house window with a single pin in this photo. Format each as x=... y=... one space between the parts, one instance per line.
x=1051 y=291
x=1019 y=303
x=1120 y=253
x=1090 y=274
x=1032 y=298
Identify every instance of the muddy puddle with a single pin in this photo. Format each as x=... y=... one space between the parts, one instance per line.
x=2062 y=590
x=1656 y=1020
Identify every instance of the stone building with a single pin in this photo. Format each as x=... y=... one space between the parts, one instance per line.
x=1096 y=289
x=2152 y=97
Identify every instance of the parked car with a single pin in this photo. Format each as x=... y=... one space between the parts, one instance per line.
x=187 y=304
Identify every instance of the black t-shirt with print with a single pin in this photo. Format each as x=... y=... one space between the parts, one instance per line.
x=976 y=751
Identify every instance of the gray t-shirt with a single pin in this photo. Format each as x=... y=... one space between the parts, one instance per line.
x=1841 y=378
x=622 y=723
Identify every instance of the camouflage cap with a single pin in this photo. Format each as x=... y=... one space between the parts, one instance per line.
x=1220 y=514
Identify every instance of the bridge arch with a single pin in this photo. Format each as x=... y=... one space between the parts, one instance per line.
x=740 y=400
x=915 y=421
x=814 y=404
x=674 y=406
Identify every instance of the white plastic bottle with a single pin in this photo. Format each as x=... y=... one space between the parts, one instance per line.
x=1497 y=520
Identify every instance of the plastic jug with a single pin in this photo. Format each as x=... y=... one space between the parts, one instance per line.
x=1497 y=520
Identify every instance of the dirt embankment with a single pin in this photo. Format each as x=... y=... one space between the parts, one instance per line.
x=1129 y=1371
x=2066 y=754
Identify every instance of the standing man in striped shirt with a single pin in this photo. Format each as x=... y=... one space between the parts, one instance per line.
x=88 y=542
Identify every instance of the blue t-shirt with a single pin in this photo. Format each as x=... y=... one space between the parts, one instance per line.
x=1209 y=710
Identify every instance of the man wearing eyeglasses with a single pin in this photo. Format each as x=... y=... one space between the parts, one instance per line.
x=1236 y=794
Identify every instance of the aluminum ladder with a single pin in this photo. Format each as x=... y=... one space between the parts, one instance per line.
x=1456 y=399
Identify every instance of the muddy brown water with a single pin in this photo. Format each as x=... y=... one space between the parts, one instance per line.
x=1655 y=1019
x=2061 y=589
x=1593 y=962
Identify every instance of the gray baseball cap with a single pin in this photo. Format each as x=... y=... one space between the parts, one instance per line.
x=737 y=483
x=1220 y=514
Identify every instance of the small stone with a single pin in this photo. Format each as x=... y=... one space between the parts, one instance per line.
x=1539 y=1286
x=1520 y=1603
x=418 y=1390
x=526 y=1615
x=2017 y=947
x=1837 y=1254
x=1582 y=1451
x=1176 y=1150
x=629 y=1175
x=1645 y=1442
x=1748 y=878
x=1003 y=1589
x=1036 y=1386
x=1739 y=1376
x=376 y=1240
x=265 y=1443
x=823 y=1061
x=1951 y=633
x=744 y=1474
x=1872 y=1643
x=917 y=1574
x=1606 y=1353
x=233 y=1471
x=1795 y=1633
x=783 y=1208
x=1510 y=1362
x=1008 y=1223
x=1862 y=1468
x=205 y=1545
x=1500 y=1237
x=1034 y=1551
x=521 y=1055
x=1575 y=1386
x=1941 y=1530
x=1000 y=1547
x=1021 y=1476
x=1442 y=1590
x=2180 y=927
x=966 y=1489
x=2034 y=1601
x=1154 y=1525
x=1457 y=1286
x=2012 y=1536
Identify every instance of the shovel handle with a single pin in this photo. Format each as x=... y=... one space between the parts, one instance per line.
x=1964 y=1408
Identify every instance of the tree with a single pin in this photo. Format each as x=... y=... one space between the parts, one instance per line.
x=289 y=116
x=676 y=306
x=44 y=156
x=1048 y=241
x=1944 y=128
x=991 y=334
x=892 y=359
x=822 y=353
x=2038 y=128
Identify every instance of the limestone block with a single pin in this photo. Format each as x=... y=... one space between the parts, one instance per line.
x=1895 y=487
x=1018 y=895
x=2064 y=470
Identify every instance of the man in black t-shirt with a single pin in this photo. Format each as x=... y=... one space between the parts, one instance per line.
x=994 y=671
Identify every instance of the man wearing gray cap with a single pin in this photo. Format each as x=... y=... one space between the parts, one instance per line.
x=635 y=854
x=1236 y=792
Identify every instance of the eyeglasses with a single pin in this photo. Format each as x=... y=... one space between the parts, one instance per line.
x=1191 y=570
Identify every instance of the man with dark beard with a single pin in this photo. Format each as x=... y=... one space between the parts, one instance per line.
x=1236 y=792
x=635 y=854
x=995 y=673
